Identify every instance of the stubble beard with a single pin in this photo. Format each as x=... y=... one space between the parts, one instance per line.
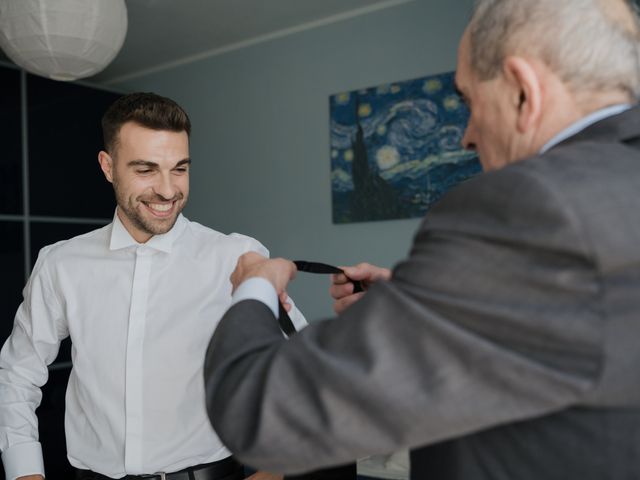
x=146 y=225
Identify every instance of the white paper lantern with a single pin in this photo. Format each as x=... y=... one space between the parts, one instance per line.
x=62 y=39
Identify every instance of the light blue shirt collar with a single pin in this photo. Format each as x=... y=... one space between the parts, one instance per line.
x=583 y=123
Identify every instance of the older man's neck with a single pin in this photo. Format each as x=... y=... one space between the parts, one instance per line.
x=566 y=109
x=589 y=102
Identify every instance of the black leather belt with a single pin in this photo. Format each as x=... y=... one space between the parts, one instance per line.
x=226 y=469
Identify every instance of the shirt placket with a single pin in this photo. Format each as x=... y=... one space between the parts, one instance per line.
x=134 y=362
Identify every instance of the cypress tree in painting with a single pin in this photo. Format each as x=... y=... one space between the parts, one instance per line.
x=372 y=197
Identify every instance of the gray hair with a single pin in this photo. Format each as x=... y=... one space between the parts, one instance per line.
x=591 y=46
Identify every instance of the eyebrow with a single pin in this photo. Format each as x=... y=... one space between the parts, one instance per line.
x=186 y=161
x=154 y=165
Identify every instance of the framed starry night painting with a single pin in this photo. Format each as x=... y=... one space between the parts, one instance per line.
x=396 y=148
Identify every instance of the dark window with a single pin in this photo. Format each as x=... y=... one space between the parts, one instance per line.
x=65 y=137
x=12 y=279
x=11 y=158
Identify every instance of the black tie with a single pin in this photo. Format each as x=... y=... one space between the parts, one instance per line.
x=310 y=267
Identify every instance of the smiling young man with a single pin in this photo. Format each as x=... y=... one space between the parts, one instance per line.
x=139 y=299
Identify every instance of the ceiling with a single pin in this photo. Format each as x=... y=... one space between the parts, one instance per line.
x=162 y=33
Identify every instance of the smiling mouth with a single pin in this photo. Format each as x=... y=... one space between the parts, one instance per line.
x=160 y=209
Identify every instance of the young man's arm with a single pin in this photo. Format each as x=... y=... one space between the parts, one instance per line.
x=33 y=344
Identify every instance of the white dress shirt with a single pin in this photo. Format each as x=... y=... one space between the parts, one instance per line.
x=140 y=317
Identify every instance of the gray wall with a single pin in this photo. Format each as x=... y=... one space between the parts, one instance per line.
x=260 y=143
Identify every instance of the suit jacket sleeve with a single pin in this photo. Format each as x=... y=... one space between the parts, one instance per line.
x=493 y=318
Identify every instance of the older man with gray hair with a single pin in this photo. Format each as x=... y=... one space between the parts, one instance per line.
x=506 y=345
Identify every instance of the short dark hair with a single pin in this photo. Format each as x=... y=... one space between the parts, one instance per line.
x=146 y=109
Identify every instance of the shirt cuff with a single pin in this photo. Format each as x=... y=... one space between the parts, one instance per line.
x=257 y=288
x=297 y=318
x=23 y=459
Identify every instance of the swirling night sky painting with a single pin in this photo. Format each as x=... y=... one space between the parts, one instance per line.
x=396 y=148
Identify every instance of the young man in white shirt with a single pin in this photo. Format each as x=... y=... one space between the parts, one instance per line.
x=140 y=299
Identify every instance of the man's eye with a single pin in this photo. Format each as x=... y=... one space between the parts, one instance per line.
x=181 y=170
x=144 y=171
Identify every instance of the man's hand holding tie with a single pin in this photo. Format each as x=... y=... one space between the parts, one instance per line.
x=342 y=283
x=278 y=271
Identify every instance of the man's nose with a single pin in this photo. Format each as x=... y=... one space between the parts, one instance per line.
x=467 y=141
x=164 y=187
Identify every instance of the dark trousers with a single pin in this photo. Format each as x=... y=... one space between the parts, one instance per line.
x=344 y=472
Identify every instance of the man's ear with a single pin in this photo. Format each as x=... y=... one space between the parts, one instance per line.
x=526 y=90
x=106 y=164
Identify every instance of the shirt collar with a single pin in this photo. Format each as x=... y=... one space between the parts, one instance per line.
x=121 y=238
x=583 y=123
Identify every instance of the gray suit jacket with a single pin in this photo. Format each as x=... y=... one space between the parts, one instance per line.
x=505 y=346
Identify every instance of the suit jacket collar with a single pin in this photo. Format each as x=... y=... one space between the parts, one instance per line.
x=617 y=128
